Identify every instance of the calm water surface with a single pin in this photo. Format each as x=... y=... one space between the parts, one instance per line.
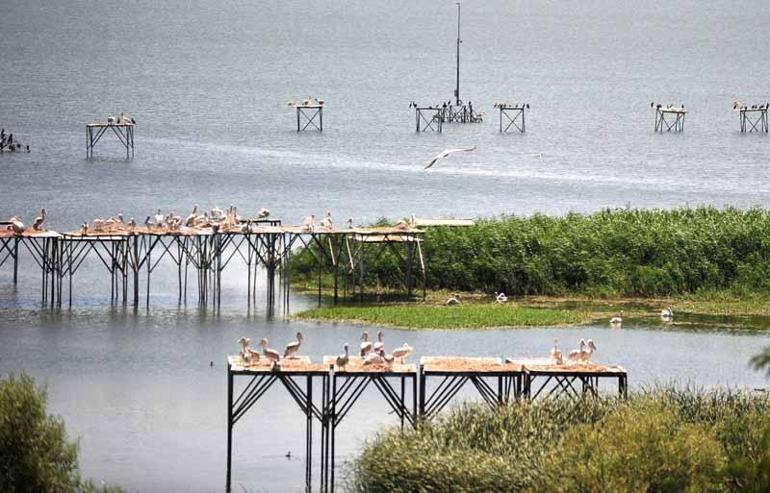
x=208 y=84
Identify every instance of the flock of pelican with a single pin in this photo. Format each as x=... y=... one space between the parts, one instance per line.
x=580 y=355
x=740 y=105
x=370 y=353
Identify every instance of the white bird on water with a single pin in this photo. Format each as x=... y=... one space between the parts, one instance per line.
x=446 y=153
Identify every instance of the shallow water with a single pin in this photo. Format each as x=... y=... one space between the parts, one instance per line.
x=208 y=84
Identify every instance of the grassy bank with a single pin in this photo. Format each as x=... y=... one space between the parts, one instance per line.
x=662 y=441
x=476 y=316
x=647 y=253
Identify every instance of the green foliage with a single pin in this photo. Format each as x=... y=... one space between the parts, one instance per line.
x=611 y=252
x=658 y=441
x=447 y=317
x=637 y=448
x=35 y=454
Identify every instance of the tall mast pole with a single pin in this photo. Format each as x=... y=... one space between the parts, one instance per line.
x=457 y=87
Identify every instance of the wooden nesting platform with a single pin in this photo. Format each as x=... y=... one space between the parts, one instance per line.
x=672 y=110
x=445 y=365
x=355 y=365
x=299 y=365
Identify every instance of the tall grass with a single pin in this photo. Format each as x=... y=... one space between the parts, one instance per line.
x=661 y=440
x=611 y=252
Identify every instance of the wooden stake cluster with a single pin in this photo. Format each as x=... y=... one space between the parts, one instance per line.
x=406 y=391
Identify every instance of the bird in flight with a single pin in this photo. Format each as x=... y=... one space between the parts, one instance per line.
x=446 y=153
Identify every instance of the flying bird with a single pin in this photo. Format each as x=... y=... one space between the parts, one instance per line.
x=446 y=153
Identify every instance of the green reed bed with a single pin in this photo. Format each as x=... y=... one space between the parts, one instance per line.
x=447 y=317
x=657 y=441
x=608 y=253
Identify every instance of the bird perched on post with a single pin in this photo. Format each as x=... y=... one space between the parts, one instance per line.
x=446 y=153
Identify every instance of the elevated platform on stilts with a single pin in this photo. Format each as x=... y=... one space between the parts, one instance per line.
x=408 y=392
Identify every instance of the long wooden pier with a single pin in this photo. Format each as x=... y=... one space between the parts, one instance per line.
x=408 y=390
x=131 y=256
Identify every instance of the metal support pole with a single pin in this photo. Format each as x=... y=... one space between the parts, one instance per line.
x=229 y=425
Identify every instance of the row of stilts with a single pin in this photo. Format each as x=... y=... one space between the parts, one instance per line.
x=199 y=261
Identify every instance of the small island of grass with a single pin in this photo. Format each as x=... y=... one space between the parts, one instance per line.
x=475 y=316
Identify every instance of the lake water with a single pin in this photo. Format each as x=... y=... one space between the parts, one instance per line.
x=208 y=83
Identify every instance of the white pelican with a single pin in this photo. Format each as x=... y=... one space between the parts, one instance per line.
x=576 y=354
x=271 y=354
x=379 y=346
x=350 y=223
x=401 y=353
x=38 y=222
x=373 y=359
x=308 y=224
x=190 y=221
x=617 y=320
x=83 y=229
x=453 y=300
x=585 y=356
x=556 y=356
x=131 y=225
x=666 y=314
x=500 y=297
x=263 y=213
x=159 y=218
x=366 y=345
x=16 y=225
x=327 y=222
x=292 y=347
x=446 y=153
x=343 y=359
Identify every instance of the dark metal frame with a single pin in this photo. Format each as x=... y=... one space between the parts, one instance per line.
x=313 y=111
x=509 y=384
x=748 y=124
x=660 y=120
x=572 y=384
x=514 y=118
x=123 y=131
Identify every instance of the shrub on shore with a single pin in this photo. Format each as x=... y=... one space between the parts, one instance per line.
x=35 y=453
x=658 y=441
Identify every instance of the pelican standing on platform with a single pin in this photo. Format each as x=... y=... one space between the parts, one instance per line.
x=366 y=345
x=343 y=359
x=379 y=346
x=308 y=224
x=575 y=354
x=446 y=153
x=401 y=353
x=293 y=347
x=556 y=356
x=39 y=220
x=327 y=222
x=190 y=221
x=271 y=354
x=263 y=213
x=17 y=226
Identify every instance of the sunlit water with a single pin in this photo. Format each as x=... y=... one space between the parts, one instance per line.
x=208 y=83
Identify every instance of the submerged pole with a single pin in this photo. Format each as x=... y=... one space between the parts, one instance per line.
x=457 y=86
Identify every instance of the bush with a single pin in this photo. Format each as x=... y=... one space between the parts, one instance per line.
x=637 y=449
x=657 y=441
x=35 y=454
